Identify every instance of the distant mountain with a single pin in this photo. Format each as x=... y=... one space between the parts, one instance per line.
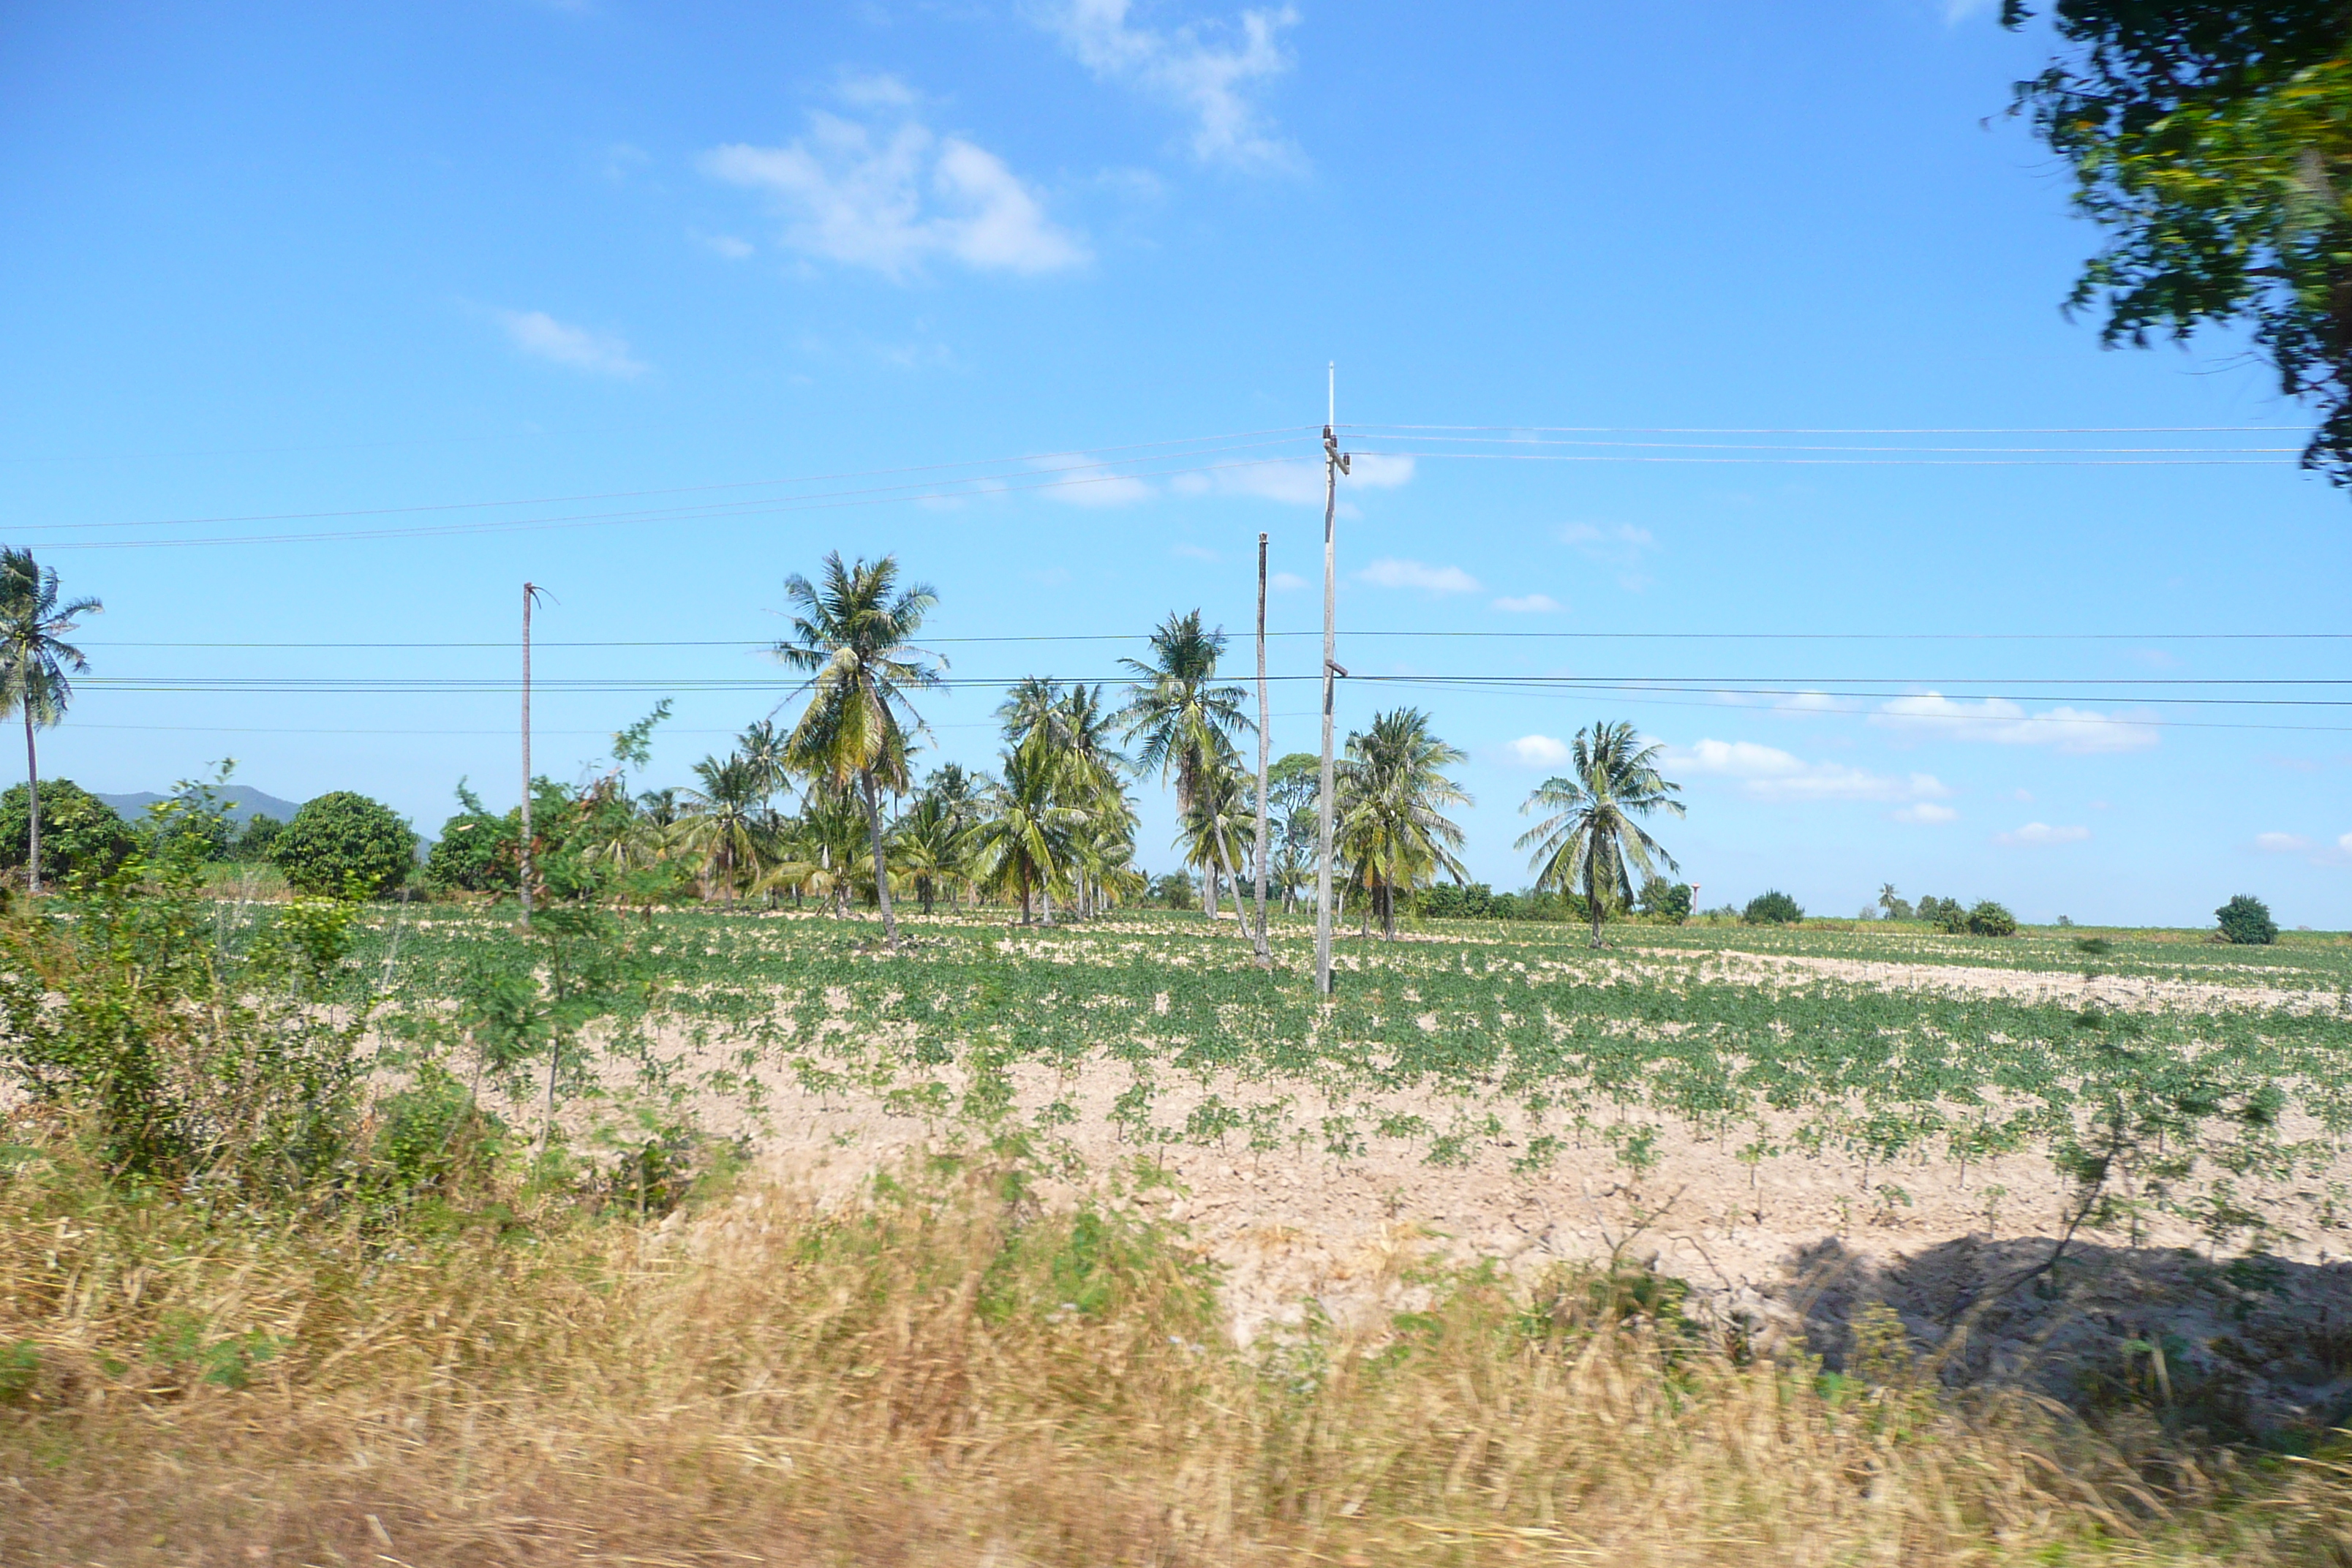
x=242 y=803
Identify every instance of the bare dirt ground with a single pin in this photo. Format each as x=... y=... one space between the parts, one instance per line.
x=2117 y=991
x=1784 y=1252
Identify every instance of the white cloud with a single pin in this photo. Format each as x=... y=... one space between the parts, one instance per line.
x=726 y=245
x=1539 y=750
x=894 y=198
x=1767 y=773
x=2000 y=722
x=1926 y=813
x=2344 y=844
x=1297 y=483
x=1958 y=11
x=1389 y=572
x=1530 y=605
x=2038 y=833
x=1286 y=582
x=541 y=335
x=2284 y=843
x=1618 y=544
x=1211 y=80
x=1077 y=481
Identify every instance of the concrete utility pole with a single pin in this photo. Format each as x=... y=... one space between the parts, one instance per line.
x=1335 y=463
x=1265 y=738
x=530 y=594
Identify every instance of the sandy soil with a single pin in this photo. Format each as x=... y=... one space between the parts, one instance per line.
x=2131 y=992
x=1783 y=1251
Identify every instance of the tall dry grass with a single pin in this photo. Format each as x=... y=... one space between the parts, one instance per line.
x=948 y=1374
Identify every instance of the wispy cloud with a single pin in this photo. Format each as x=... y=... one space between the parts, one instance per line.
x=1297 y=483
x=1997 y=721
x=1767 y=773
x=893 y=194
x=1539 y=750
x=2284 y=843
x=1390 y=571
x=541 y=336
x=1286 y=582
x=1530 y=605
x=1212 y=73
x=726 y=245
x=1192 y=552
x=1618 y=545
x=1926 y=813
x=1079 y=482
x=2041 y=833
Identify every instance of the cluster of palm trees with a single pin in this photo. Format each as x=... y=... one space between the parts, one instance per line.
x=1054 y=828
x=1056 y=822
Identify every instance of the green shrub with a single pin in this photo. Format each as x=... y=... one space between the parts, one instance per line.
x=1174 y=890
x=1946 y=915
x=2246 y=921
x=1661 y=899
x=477 y=853
x=343 y=840
x=253 y=845
x=80 y=832
x=1773 y=907
x=1989 y=918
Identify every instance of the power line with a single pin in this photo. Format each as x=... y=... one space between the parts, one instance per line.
x=1846 y=430
x=731 y=512
x=1425 y=632
x=683 y=489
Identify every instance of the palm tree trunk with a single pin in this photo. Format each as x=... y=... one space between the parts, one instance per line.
x=1025 y=919
x=1388 y=910
x=1046 y=898
x=881 y=873
x=31 y=805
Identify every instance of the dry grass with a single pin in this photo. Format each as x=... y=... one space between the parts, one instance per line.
x=948 y=1374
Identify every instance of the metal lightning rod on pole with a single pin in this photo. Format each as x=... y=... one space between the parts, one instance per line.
x=1335 y=463
x=530 y=594
x=1265 y=738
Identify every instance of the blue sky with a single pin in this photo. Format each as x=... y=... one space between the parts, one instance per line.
x=308 y=270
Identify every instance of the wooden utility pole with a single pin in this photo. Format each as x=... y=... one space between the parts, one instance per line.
x=1264 y=739
x=530 y=594
x=1335 y=463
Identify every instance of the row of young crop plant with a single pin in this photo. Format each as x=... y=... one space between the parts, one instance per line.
x=1572 y=1045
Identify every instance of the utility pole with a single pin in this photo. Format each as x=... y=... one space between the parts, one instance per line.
x=530 y=594
x=1335 y=463
x=1265 y=738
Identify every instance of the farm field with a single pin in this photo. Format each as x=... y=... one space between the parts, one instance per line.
x=1793 y=1121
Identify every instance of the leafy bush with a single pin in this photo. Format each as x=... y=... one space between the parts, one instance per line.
x=477 y=853
x=192 y=1056
x=1450 y=901
x=253 y=845
x=2246 y=921
x=1661 y=899
x=1174 y=890
x=343 y=840
x=192 y=816
x=80 y=832
x=1773 y=907
x=1989 y=918
x=1946 y=915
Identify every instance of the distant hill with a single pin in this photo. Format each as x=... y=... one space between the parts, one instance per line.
x=242 y=803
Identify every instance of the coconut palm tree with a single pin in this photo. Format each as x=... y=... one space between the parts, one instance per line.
x=1591 y=843
x=928 y=844
x=1219 y=829
x=1388 y=825
x=1182 y=720
x=851 y=635
x=35 y=659
x=1025 y=845
x=726 y=822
